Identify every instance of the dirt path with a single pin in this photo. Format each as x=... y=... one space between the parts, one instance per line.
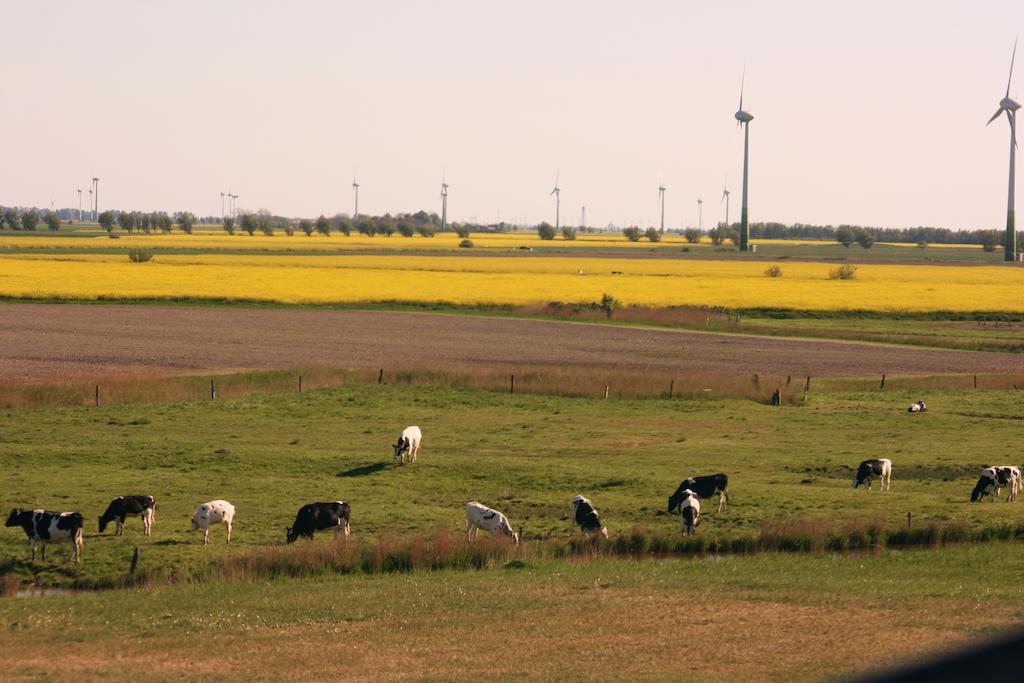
x=52 y=342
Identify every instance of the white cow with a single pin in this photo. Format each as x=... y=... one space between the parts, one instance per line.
x=689 y=512
x=213 y=512
x=408 y=445
x=917 y=407
x=479 y=516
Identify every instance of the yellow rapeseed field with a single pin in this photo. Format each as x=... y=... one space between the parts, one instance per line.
x=523 y=279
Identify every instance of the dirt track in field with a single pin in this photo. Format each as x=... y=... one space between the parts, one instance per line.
x=64 y=342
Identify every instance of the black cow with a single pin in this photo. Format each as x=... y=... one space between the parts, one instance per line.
x=585 y=516
x=319 y=516
x=704 y=487
x=42 y=527
x=129 y=506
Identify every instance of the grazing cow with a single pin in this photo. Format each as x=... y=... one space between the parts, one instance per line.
x=993 y=479
x=42 y=527
x=320 y=516
x=689 y=511
x=408 y=445
x=213 y=512
x=129 y=506
x=704 y=487
x=480 y=516
x=869 y=469
x=585 y=516
x=917 y=407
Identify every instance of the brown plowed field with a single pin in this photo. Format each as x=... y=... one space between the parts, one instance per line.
x=54 y=342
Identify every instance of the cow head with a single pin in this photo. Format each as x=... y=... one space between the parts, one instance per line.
x=401 y=446
x=195 y=524
x=103 y=523
x=290 y=534
x=12 y=519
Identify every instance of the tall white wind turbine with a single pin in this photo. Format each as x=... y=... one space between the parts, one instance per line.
x=743 y=119
x=661 y=201
x=1010 y=106
x=558 y=200
x=355 y=190
x=444 y=203
x=725 y=198
x=700 y=214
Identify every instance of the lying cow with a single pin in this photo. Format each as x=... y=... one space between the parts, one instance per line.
x=479 y=516
x=704 y=487
x=585 y=516
x=408 y=445
x=129 y=506
x=992 y=479
x=43 y=527
x=917 y=407
x=319 y=516
x=689 y=511
x=213 y=512
x=868 y=470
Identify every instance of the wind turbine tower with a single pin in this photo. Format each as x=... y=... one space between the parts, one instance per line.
x=96 y=199
x=444 y=204
x=355 y=190
x=1010 y=106
x=700 y=214
x=583 y=218
x=558 y=201
x=743 y=119
x=79 y=205
x=661 y=201
x=725 y=198
x=221 y=207
x=90 y=202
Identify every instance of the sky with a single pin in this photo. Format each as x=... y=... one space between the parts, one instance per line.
x=869 y=113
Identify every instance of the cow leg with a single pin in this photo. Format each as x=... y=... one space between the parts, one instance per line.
x=206 y=536
x=348 y=528
x=229 y=532
x=119 y=531
x=42 y=550
x=32 y=544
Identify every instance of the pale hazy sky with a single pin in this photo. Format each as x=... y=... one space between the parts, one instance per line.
x=870 y=112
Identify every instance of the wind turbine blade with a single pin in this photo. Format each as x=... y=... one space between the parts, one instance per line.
x=1012 y=58
x=743 y=81
x=1013 y=127
x=996 y=115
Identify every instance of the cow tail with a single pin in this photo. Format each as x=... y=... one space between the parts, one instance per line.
x=152 y=515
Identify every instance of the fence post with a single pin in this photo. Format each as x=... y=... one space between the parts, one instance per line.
x=882 y=385
x=975 y=381
x=380 y=376
x=300 y=384
x=910 y=523
x=606 y=392
x=671 y=388
x=789 y=378
x=512 y=384
x=213 y=391
x=777 y=398
x=97 y=394
x=135 y=561
x=807 y=387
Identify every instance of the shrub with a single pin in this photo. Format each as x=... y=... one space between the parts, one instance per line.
x=306 y=226
x=462 y=231
x=323 y=225
x=609 y=304
x=773 y=271
x=653 y=235
x=466 y=244
x=844 y=272
x=692 y=235
x=546 y=231
x=865 y=238
x=425 y=230
x=405 y=228
x=229 y=225
x=569 y=233
x=632 y=234
x=140 y=256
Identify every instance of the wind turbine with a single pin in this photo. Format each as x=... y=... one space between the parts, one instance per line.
x=1010 y=106
x=725 y=198
x=355 y=189
x=743 y=119
x=558 y=200
x=96 y=198
x=700 y=214
x=221 y=207
x=661 y=201
x=90 y=201
x=444 y=203
x=79 y=205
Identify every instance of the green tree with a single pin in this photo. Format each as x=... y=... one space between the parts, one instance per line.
x=11 y=219
x=866 y=239
x=344 y=225
x=163 y=221
x=186 y=221
x=366 y=226
x=568 y=233
x=609 y=304
x=461 y=229
x=106 y=220
x=323 y=225
x=126 y=220
x=229 y=225
x=844 y=235
x=306 y=226
x=546 y=231
x=405 y=228
x=52 y=221
x=426 y=229
x=248 y=222
x=632 y=234
x=989 y=239
x=653 y=235
x=692 y=235
x=386 y=225
x=146 y=222
x=29 y=220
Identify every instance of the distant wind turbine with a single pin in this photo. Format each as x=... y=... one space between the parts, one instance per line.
x=743 y=119
x=1010 y=106
x=79 y=205
x=700 y=213
x=725 y=198
x=444 y=203
x=558 y=201
x=661 y=202
x=355 y=189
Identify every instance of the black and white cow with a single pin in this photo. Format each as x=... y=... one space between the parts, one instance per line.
x=876 y=467
x=704 y=487
x=479 y=516
x=319 y=516
x=992 y=479
x=43 y=527
x=586 y=518
x=917 y=407
x=129 y=506
x=689 y=512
